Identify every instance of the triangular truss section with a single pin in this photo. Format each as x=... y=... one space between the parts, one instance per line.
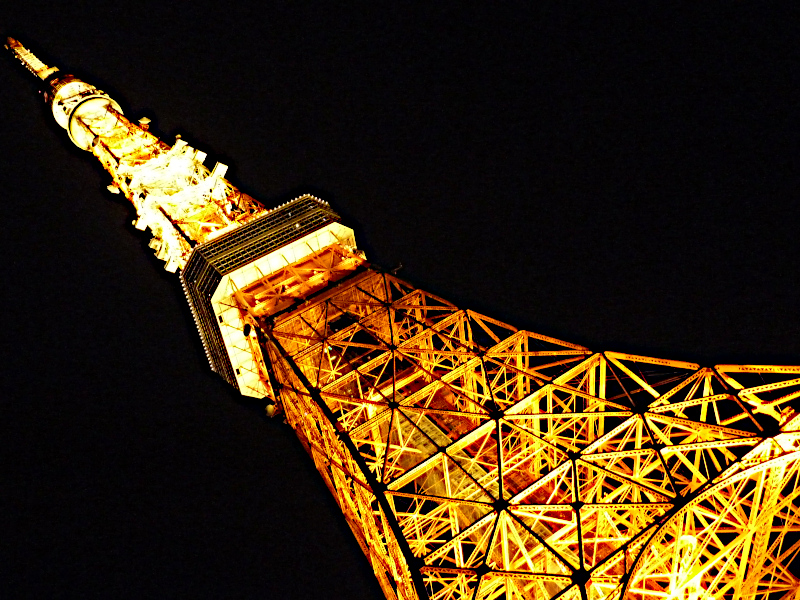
x=517 y=548
x=644 y=466
x=428 y=522
x=564 y=423
x=605 y=528
x=768 y=389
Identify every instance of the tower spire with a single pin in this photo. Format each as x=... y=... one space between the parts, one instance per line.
x=176 y=197
x=29 y=60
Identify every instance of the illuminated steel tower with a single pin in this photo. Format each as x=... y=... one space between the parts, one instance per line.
x=471 y=459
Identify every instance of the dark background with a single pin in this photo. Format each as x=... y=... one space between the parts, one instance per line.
x=623 y=180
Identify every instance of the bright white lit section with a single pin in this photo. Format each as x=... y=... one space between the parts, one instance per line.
x=177 y=198
x=244 y=352
x=91 y=118
x=66 y=98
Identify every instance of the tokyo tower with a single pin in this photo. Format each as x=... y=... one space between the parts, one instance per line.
x=471 y=459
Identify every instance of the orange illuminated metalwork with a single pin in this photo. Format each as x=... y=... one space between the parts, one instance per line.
x=471 y=459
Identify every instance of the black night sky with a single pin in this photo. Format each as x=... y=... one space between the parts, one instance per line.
x=627 y=180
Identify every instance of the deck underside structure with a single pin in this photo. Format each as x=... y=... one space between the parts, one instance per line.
x=475 y=460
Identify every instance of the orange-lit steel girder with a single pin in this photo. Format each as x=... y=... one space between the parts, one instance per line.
x=474 y=460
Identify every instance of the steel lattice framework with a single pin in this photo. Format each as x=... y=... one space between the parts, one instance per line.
x=490 y=462
x=471 y=459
